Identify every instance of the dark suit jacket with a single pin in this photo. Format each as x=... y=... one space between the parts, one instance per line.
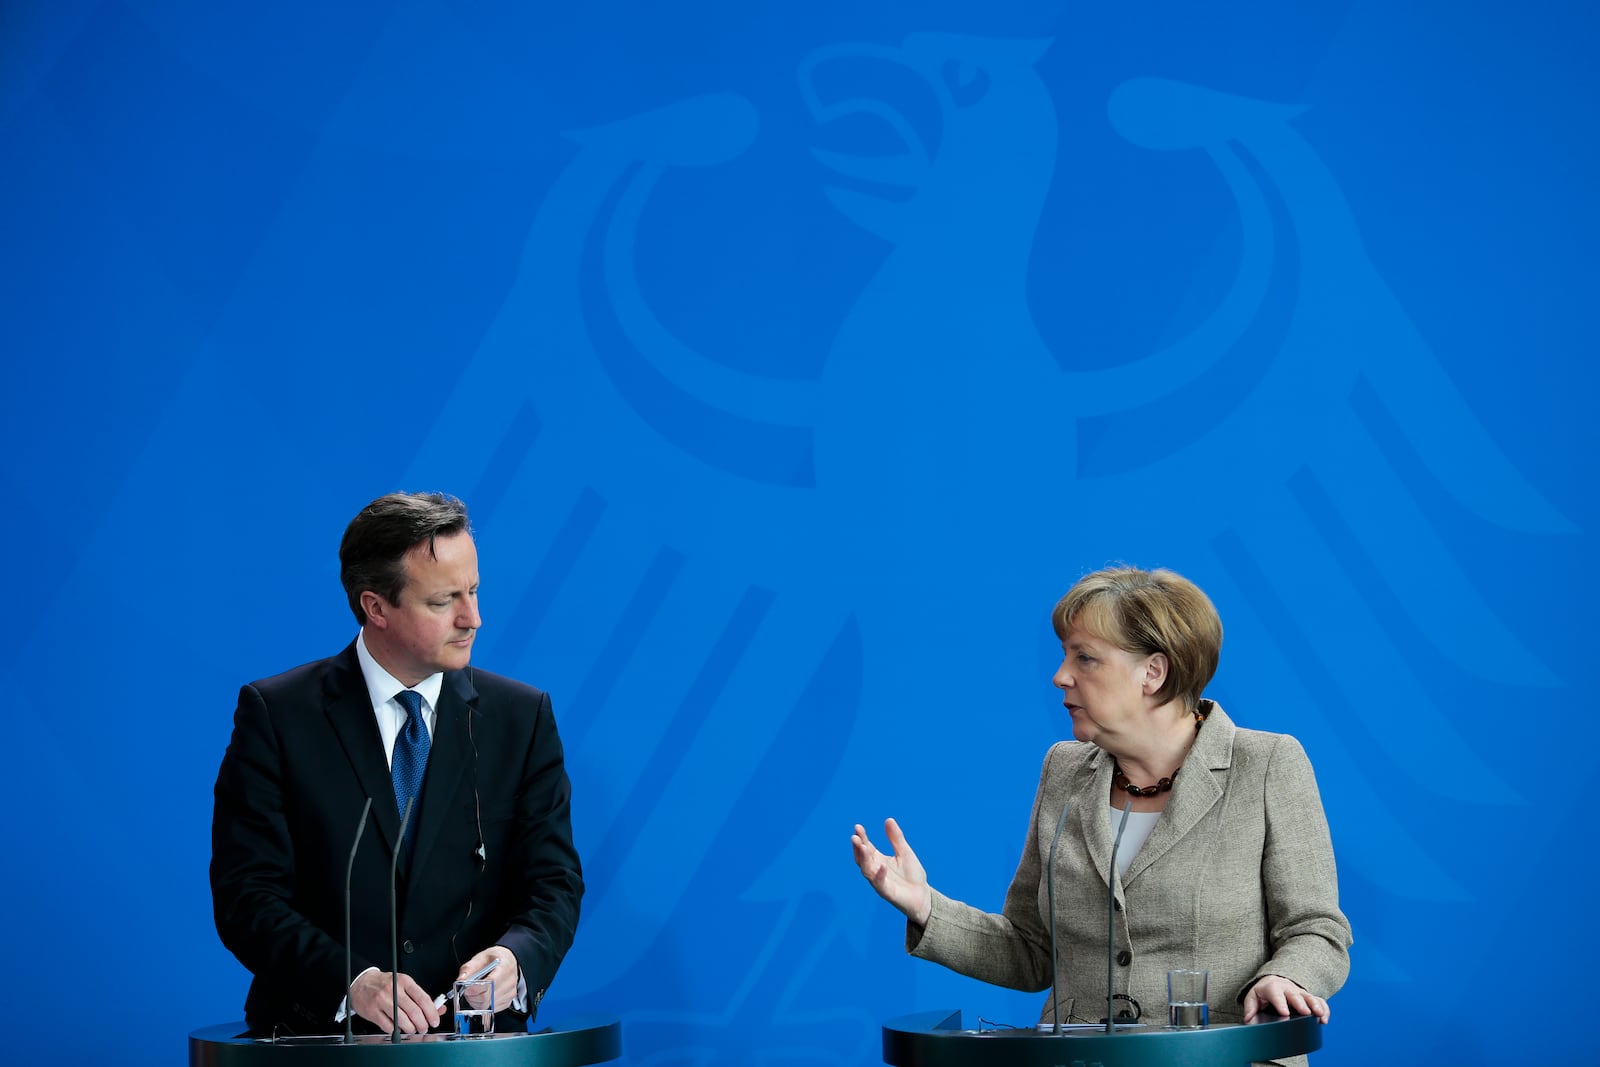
x=304 y=757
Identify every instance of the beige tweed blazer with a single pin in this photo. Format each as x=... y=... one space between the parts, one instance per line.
x=1236 y=878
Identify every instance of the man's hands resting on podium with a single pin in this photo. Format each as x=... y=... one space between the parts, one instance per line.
x=371 y=997
x=372 y=994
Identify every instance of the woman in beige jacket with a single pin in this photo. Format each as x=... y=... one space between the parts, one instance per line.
x=1226 y=864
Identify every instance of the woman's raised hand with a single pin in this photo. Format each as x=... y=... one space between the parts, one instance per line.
x=898 y=878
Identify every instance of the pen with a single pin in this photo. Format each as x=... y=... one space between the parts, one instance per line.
x=438 y=1001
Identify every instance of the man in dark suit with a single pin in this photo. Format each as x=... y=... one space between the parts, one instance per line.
x=487 y=866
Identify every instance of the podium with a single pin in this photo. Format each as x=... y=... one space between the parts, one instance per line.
x=937 y=1039
x=578 y=1042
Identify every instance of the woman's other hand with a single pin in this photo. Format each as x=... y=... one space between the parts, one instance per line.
x=1278 y=994
x=899 y=878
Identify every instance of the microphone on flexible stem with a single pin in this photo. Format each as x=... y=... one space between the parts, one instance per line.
x=1111 y=913
x=1050 y=891
x=394 y=926
x=349 y=1012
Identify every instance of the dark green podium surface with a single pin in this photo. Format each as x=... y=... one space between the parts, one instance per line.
x=937 y=1039
x=577 y=1042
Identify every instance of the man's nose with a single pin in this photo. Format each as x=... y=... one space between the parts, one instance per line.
x=470 y=619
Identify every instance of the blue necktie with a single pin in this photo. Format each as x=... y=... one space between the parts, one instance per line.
x=410 y=760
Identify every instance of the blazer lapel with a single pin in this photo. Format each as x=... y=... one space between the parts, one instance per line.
x=1094 y=814
x=1196 y=791
x=448 y=759
x=349 y=711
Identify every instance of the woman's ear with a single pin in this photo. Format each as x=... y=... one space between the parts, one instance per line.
x=1155 y=674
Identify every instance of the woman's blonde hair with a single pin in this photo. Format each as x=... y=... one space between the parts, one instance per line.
x=1145 y=612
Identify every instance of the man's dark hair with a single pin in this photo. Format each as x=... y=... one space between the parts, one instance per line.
x=372 y=554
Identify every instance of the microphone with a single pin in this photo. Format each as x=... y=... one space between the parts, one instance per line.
x=1111 y=914
x=1050 y=891
x=394 y=925
x=349 y=1012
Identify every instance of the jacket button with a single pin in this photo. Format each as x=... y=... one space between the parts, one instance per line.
x=1123 y=958
x=407 y=947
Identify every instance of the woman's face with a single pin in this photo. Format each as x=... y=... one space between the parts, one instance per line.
x=1102 y=687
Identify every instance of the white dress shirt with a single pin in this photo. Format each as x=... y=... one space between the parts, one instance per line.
x=382 y=687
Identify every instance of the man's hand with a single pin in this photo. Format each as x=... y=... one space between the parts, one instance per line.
x=505 y=977
x=371 y=998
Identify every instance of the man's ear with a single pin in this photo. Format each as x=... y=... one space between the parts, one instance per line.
x=377 y=610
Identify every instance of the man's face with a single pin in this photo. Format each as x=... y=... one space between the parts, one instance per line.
x=432 y=627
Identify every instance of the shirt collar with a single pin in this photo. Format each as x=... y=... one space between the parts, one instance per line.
x=382 y=686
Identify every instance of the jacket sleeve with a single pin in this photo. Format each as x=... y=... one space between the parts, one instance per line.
x=253 y=870
x=542 y=878
x=1309 y=937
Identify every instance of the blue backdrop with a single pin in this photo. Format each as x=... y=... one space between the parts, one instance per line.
x=794 y=358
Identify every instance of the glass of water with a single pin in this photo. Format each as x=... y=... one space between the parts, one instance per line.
x=1186 y=999
x=471 y=1020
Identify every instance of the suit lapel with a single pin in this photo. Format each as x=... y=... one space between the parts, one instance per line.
x=448 y=759
x=1196 y=791
x=349 y=711
x=1094 y=814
